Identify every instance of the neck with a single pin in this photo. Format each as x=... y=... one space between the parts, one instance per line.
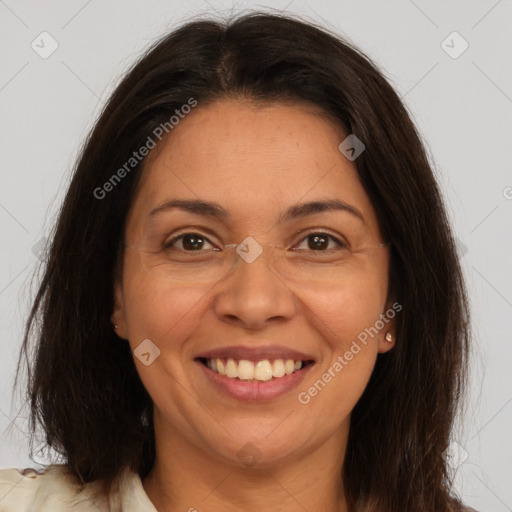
x=187 y=477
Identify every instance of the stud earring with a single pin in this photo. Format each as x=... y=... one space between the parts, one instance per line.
x=115 y=326
x=389 y=337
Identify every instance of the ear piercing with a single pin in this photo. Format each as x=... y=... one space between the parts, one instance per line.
x=115 y=326
x=389 y=337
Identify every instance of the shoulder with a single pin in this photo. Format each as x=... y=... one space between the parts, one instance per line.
x=55 y=489
x=58 y=489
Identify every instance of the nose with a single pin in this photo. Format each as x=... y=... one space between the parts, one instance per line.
x=253 y=294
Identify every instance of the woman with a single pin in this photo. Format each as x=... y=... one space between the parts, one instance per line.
x=252 y=299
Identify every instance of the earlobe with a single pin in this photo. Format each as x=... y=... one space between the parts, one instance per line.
x=387 y=337
x=117 y=318
x=388 y=341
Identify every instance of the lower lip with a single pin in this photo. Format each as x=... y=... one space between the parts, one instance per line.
x=256 y=391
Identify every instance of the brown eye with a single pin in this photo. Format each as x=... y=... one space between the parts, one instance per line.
x=320 y=241
x=189 y=241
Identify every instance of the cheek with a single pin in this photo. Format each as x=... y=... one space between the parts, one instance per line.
x=343 y=321
x=345 y=318
x=342 y=313
x=158 y=309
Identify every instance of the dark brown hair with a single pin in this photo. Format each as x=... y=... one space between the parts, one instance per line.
x=83 y=387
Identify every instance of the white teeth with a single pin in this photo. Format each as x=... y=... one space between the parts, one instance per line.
x=289 y=366
x=247 y=370
x=231 y=369
x=263 y=370
x=278 y=368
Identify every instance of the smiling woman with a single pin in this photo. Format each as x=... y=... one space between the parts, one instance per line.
x=267 y=312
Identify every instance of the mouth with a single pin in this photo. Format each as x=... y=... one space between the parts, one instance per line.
x=254 y=373
x=245 y=370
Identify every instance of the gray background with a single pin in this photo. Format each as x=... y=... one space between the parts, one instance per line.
x=462 y=107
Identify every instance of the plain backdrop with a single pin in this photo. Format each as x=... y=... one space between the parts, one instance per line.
x=457 y=86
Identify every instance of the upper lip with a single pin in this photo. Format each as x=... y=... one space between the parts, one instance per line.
x=252 y=353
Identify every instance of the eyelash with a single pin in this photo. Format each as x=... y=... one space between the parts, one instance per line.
x=341 y=244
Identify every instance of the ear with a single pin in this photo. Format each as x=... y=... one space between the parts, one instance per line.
x=388 y=318
x=119 y=316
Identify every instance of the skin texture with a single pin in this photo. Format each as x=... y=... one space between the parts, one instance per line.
x=254 y=161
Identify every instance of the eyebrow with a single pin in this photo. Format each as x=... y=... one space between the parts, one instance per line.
x=296 y=211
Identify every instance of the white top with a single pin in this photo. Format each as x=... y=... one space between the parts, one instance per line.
x=57 y=490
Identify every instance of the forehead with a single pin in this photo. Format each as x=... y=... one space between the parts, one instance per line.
x=253 y=160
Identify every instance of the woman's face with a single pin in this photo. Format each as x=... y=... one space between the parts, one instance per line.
x=255 y=163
